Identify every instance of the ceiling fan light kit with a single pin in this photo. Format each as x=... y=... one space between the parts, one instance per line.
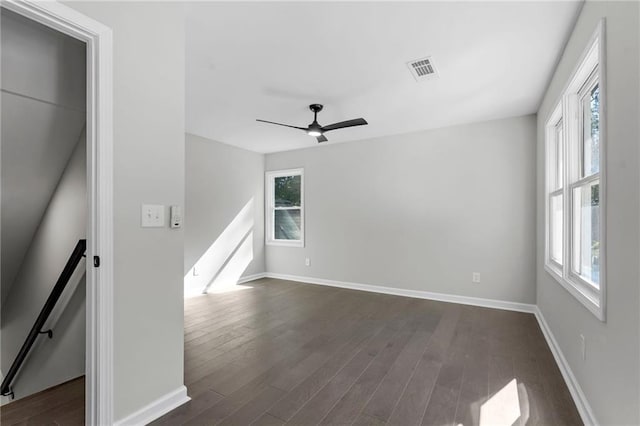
x=316 y=130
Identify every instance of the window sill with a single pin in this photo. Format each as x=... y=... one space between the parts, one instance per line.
x=284 y=243
x=579 y=291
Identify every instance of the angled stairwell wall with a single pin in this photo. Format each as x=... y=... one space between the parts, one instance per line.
x=43 y=198
x=52 y=361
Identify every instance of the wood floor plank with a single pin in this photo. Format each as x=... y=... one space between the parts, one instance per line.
x=317 y=383
x=254 y=408
x=351 y=404
x=50 y=416
x=444 y=400
x=303 y=392
x=268 y=420
x=75 y=416
x=365 y=420
x=384 y=400
x=46 y=401
x=226 y=406
x=411 y=406
x=318 y=406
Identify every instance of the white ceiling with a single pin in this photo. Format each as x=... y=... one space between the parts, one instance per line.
x=271 y=60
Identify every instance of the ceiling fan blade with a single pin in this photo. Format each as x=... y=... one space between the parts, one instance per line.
x=343 y=124
x=321 y=138
x=280 y=124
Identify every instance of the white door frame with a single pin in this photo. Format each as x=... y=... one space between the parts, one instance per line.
x=99 y=332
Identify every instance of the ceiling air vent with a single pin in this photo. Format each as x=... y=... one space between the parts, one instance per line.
x=422 y=69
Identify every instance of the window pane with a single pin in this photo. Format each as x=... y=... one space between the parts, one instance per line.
x=591 y=132
x=287 y=224
x=555 y=229
x=586 y=232
x=287 y=191
x=558 y=169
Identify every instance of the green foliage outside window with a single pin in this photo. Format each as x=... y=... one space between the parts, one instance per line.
x=287 y=191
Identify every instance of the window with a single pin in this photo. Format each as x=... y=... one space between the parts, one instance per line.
x=285 y=208
x=574 y=188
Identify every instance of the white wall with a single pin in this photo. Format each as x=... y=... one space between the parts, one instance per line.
x=421 y=211
x=609 y=376
x=52 y=361
x=221 y=181
x=43 y=115
x=149 y=79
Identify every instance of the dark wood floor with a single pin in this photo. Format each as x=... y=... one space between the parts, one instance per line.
x=283 y=352
x=61 y=405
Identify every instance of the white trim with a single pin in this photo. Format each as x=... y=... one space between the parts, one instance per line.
x=418 y=294
x=156 y=409
x=98 y=38
x=579 y=398
x=270 y=208
x=253 y=277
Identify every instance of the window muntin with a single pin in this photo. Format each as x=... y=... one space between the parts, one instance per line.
x=574 y=189
x=285 y=205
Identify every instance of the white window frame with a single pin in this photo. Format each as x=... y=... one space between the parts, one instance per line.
x=590 y=71
x=552 y=190
x=271 y=208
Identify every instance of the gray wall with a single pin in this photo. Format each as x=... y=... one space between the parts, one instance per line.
x=421 y=211
x=149 y=79
x=62 y=358
x=221 y=181
x=43 y=115
x=609 y=375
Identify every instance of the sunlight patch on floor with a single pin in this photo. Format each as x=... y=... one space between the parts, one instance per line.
x=503 y=408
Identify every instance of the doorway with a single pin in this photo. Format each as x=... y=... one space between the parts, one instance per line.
x=87 y=170
x=44 y=203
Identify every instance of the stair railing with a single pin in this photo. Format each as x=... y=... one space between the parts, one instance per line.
x=36 y=330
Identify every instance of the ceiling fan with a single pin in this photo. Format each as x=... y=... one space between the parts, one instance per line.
x=318 y=131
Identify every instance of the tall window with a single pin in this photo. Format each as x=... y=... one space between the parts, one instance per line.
x=574 y=190
x=285 y=207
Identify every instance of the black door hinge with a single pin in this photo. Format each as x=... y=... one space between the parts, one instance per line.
x=96 y=261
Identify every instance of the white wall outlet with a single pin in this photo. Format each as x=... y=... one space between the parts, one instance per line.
x=475 y=277
x=307 y=262
x=583 y=346
x=152 y=216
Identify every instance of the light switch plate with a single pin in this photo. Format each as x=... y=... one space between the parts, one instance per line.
x=152 y=216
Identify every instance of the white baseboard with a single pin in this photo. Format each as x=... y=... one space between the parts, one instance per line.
x=156 y=409
x=578 y=396
x=419 y=294
x=253 y=277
